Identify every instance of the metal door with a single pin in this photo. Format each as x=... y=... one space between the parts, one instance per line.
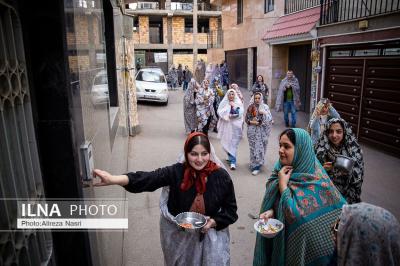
x=300 y=63
x=366 y=93
x=20 y=174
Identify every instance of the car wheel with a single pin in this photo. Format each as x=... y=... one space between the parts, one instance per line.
x=166 y=103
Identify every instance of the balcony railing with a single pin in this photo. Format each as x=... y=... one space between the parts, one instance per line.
x=181 y=6
x=144 y=5
x=333 y=11
x=292 y=6
x=189 y=6
x=215 y=39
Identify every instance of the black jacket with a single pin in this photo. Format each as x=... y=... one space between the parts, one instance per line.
x=219 y=198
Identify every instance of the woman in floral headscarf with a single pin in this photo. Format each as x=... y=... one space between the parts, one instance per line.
x=301 y=195
x=367 y=235
x=338 y=139
x=323 y=112
x=230 y=125
x=259 y=122
x=205 y=109
x=189 y=106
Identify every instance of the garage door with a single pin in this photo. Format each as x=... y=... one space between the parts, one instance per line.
x=237 y=65
x=366 y=92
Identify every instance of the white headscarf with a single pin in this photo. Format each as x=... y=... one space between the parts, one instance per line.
x=224 y=104
x=229 y=128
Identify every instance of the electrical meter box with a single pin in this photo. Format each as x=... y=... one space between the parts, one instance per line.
x=87 y=160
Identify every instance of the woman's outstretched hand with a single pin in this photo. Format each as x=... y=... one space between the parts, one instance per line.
x=284 y=176
x=107 y=179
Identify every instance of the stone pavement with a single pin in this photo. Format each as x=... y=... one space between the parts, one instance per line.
x=159 y=144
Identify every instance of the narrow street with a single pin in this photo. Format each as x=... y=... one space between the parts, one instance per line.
x=161 y=141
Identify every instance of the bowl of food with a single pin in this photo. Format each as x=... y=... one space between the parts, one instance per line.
x=344 y=163
x=269 y=228
x=191 y=221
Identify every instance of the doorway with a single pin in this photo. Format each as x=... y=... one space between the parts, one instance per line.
x=300 y=63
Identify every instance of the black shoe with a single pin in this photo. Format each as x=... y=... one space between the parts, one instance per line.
x=287 y=124
x=215 y=130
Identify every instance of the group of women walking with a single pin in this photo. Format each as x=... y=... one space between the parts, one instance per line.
x=324 y=221
x=209 y=107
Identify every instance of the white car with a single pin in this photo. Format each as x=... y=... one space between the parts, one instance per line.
x=99 y=91
x=151 y=85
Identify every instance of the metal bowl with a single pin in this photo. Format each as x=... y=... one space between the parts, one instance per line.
x=344 y=163
x=196 y=220
x=260 y=226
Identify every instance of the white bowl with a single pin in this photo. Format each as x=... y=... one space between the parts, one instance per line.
x=262 y=227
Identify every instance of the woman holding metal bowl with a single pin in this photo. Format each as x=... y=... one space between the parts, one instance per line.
x=198 y=183
x=339 y=141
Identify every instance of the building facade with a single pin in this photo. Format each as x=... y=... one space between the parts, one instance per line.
x=268 y=38
x=243 y=24
x=175 y=32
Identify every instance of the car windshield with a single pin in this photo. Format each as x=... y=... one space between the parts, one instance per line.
x=150 y=76
x=100 y=79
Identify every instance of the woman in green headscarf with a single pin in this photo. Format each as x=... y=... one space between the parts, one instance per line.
x=301 y=195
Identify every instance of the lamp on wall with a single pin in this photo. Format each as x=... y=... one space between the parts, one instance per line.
x=363 y=24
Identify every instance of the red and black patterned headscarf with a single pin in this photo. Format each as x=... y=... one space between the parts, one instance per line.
x=192 y=176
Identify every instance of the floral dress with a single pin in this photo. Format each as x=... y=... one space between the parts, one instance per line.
x=258 y=135
x=204 y=107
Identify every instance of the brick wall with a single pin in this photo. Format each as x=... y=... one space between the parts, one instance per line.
x=165 y=29
x=71 y=38
x=202 y=38
x=188 y=38
x=136 y=37
x=213 y=22
x=187 y=59
x=184 y=59
x=81 y=30
x=96 y=31
x=202 y=56
x=144 y=30
x=178 y=30
x=80 y=62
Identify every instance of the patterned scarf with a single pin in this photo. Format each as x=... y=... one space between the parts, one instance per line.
x=327 y=152
x=368 y=235
x=310 y=194
x=252 y=110
x=192 y=176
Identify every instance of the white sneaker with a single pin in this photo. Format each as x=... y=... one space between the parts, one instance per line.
x=255 y=172
x=233 y=166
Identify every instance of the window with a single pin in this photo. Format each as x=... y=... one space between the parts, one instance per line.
x=341 y=53
x=367 y=52
x=136 y=24
x=269 y=6
x=203 y=25
x=391 y=51
x=239 y=11
x=188 y=25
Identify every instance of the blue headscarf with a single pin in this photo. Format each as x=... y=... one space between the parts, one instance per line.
x=310 y=193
